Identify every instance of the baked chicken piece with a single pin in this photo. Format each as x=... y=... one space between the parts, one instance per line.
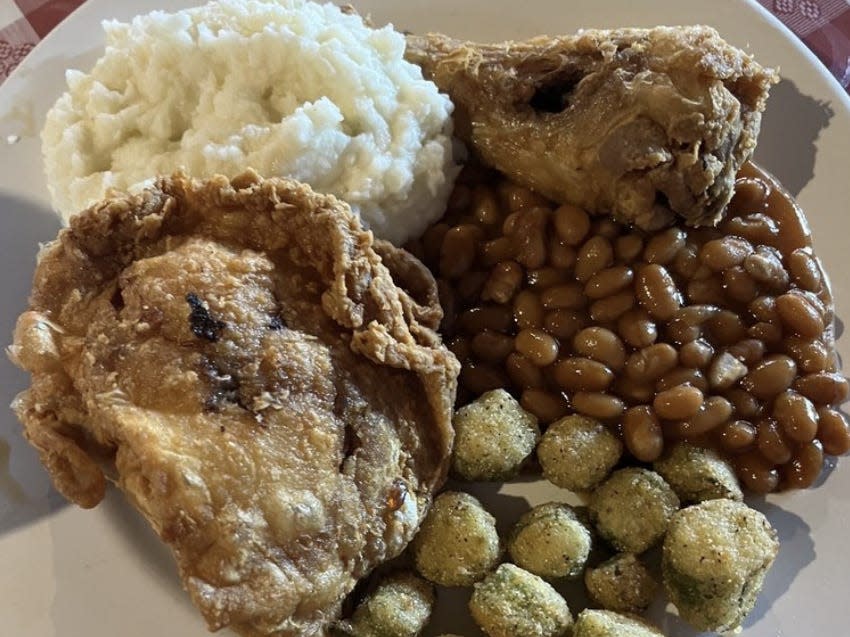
x=643 y=124
x=261 y=379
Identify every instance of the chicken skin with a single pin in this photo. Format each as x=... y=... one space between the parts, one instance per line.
x=260 y=377
x=642 y=124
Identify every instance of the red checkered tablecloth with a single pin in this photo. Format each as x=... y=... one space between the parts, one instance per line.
x=824 y=25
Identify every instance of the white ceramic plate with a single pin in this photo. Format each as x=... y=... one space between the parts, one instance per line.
x=102 y=573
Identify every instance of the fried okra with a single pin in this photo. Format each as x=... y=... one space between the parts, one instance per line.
x=698 y=474
x=632 y=508
x=399 y=607
x=604 y=623
x=493 y=437
x=577 y=453
x=457 y=544
x=621 y=584
x=714 y=561
x=550 y=541
x=512 y=602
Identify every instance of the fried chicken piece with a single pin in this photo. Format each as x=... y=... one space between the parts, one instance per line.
x=644 y=124
x=267 y=390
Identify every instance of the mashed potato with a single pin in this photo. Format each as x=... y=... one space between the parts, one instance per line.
x=288 y=88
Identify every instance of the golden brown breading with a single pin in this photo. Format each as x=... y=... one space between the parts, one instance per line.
x=265 y=393
x=638 y=123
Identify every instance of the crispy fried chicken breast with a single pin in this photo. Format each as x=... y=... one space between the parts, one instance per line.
x=643 y=124
x=261 y=379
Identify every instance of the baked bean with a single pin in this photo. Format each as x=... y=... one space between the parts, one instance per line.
x=737 y=436
x=703 y=272
x=816 y=303
x=610 y=309
x=637 y=329
x=547 y=277
x=745 y=404
x=726 y=327
x=739 y=285
x=833 y=431
x=432 y=242
x=652 y=362
x=516 y=197
x=757 y=228
x=708 y=291
x=548 y=407
x=565 y=295
x=663 y=247
x=469 y=286
x=564 y=324
x=460 y=198
x=537 y=346
x=686 y=325
x=598 y=405
x=509 y=223
x=528 y=310
x=449 y=304
x=561 y=255
x=523 y=372
x=683 y=376
x=797 y=416
x=714 y=411
x=764 y=309
x=726 y=252
x=765 y=267
x=486 y=208
x=491 y=347
x=480 y=377
x=496 y=250
x=750 y=195
x=582 y=374
x=810 y=356
x=805 y=466
x=627 y=248
x=634 y=391
x=608 y=281
x=530 y=235
x=460 y=347
x=770 y=377
x=749 y=351
x=504 y=281
x=605 y=227
x=687 y=261
x=756 y=473
x=771 y=442
x=656 y=292
x=642 y=433
x=486 y=317
x=458 y=251
x=769 y=333
x=805 y=270
x=696 y=354
x=571 y=223
x=725 y=370
x=823 y=388
x=678 y=403
x=602 y=345
x=799 y=316
x=594 y=255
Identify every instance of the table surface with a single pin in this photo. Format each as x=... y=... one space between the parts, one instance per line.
x=824 y=25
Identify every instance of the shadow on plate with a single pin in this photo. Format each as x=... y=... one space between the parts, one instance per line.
x=786 y=145
x=25 y=491
x=152 y=555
